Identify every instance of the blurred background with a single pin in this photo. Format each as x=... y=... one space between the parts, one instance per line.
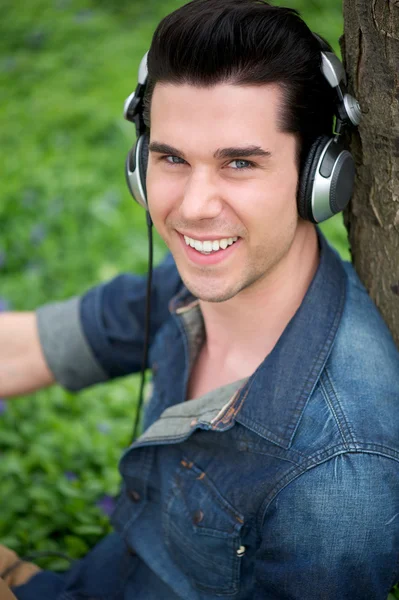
x=67 y=222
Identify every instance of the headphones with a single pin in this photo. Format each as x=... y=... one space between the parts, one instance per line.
x=327 y=179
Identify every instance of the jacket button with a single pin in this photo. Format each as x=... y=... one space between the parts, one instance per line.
x=198 y=517
x=135 y=496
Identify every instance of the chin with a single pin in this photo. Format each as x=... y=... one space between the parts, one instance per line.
x=210 y=293
x=214 y=299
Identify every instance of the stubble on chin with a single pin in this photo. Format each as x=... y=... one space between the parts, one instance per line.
x=208 y=287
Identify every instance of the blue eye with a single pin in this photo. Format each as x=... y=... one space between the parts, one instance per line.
x=174 y=160
x=242 y=164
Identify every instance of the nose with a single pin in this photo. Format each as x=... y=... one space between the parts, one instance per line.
x=201 y=199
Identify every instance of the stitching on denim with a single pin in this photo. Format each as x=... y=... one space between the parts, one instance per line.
x=167 y=526
x=325 y=381
x=394 y=577
x=321 y=360
x=293 y=474
x=267 y=435
x=347 y=422
x=253 y=449
x=315 y=461
x=148 y=461
x=315 y=373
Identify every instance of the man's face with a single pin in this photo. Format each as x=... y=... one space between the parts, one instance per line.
x=222 y=173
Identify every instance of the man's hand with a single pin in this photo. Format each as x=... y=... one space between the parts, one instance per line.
x=13 y=570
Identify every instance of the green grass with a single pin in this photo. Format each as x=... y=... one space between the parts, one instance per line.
x=67 y=222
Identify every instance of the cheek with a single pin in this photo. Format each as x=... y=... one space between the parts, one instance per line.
x=269 y=202
x=161 y=195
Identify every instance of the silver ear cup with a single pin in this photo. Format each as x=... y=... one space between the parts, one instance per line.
x=333 y=182
x=134 y=175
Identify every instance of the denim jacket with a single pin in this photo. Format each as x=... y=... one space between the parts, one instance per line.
x=286 y=489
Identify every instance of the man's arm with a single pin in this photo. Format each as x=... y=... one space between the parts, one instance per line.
x=84 y=340
x=333 y=533
x=23 y=367
x=42 y=347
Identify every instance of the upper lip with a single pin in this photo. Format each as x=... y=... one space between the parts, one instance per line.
x=207 y=238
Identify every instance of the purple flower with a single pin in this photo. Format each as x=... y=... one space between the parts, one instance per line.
x=84 y=15
x=33 y=267
x=8 y=64
x=61 y=4
x=104 y=428
x=70 y=476
x=57 y=204
x=106 y=504
x=29 y=198
x=3 y=406
x=38 y=233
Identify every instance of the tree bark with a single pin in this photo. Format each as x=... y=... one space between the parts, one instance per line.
x=370 y=48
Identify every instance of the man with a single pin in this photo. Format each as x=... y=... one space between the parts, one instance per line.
x=268 y=467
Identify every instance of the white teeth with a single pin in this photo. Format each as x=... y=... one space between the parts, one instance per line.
x=210 y=246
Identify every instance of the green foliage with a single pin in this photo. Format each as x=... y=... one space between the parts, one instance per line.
x=67 y=222
x=59 y=454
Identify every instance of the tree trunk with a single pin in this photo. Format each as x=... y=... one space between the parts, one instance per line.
x=370 y=48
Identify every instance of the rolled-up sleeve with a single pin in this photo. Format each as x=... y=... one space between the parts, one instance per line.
x=333 y=533
x=65 y=346
x=100 y=336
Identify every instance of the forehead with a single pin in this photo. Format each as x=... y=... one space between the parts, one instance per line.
x=220 y=115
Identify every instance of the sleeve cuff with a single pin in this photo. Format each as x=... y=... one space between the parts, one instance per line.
x=66 y=350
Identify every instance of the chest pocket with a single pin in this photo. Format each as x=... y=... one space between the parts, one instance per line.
x=202 y=532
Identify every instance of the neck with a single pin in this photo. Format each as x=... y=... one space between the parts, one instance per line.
x=250 y=324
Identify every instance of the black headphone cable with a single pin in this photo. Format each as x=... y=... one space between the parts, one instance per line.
x=147 y=328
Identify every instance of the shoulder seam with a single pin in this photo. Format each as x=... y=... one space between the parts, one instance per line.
x=316 y=461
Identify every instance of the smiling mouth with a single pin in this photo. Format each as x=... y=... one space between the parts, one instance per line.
x=208 y=246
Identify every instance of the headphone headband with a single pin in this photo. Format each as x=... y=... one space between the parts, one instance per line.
x=134 y=104
x=327 y=179
x=348 y=108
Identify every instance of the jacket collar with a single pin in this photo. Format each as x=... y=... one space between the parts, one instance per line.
x=272 y=401
x=275 y=396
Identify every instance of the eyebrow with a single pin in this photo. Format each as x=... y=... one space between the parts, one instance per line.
x=243 y=152
x=232 y=152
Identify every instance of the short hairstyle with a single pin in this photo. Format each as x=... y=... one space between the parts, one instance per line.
x=246 y=42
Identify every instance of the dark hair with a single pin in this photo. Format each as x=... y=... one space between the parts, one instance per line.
x=206 y=42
